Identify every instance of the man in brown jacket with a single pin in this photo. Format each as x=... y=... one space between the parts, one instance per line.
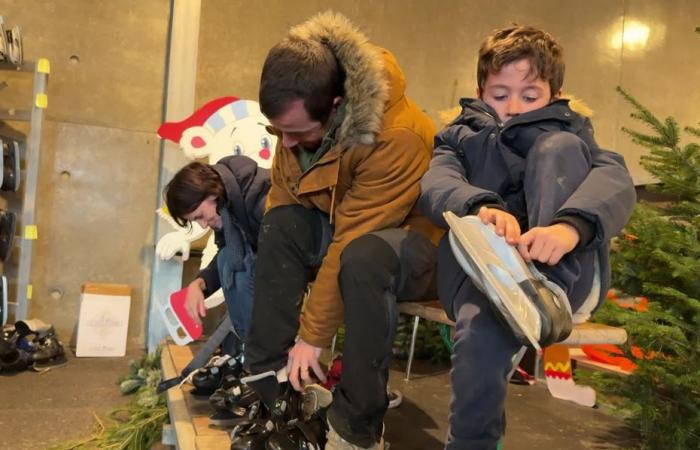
x=345 y=179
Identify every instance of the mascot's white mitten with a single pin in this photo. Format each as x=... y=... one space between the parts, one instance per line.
x=171 y=243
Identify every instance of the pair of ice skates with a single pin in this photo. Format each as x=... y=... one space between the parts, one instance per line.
x=535 y=309
x=30 y=344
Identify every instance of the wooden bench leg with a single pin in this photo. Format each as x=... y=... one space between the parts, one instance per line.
x=559 y=376
x=416 y=319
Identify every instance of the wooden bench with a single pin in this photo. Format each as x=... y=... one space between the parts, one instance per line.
x=584 y=333
x=189 y=418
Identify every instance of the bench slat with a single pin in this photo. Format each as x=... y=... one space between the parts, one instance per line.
x=596 y=333
x=584 y=333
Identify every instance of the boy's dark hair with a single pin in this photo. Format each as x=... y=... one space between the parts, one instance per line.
x=190 y=186
x=300 y=69
x=514 y=43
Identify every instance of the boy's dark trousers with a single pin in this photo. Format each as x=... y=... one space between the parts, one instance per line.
x=376 y=270
x=483 y=347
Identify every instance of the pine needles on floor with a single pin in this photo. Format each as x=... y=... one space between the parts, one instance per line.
x=137 y=425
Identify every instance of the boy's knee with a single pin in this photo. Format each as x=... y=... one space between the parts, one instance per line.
x=558 y=145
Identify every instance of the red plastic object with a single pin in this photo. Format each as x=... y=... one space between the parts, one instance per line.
x=177 y=303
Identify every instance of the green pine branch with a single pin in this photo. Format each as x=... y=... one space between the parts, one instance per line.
x=138 y=424
x=658 y=256
x=666 y=135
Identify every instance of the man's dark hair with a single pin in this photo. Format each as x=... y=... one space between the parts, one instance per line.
x=514 y=43
x=190 y=186
x=300 y=69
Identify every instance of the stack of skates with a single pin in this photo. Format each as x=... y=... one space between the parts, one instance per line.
x=30 y=344
x=295 y=421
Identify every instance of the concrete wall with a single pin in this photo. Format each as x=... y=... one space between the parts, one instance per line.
x=99 y=160
x=100 y=154
x=436 y=43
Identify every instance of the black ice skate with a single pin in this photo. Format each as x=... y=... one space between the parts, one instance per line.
x=233 y=402
x=45 y=349
x=3 y=301
x=12 y=358
x=8 y=221
x=255 y=433
x=10 y=173
x=534 y=308
x=210 y=378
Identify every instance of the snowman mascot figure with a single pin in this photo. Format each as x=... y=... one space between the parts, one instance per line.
x=223 y=127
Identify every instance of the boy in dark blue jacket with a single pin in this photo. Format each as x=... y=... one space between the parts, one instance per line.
x=519 y=158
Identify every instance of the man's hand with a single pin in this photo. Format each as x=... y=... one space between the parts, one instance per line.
x=194 y=302
x=505 y=223
x=302 y=357
x=548 y=244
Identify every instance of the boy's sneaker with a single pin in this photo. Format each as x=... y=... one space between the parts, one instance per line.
x=534 y=308
x=395 y=397
x=335 y=442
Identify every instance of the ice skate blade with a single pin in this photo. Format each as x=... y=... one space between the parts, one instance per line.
x=499 y=269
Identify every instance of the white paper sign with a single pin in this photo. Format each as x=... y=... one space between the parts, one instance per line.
x=103 y=324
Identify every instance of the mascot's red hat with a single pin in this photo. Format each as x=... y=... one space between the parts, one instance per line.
x=172 y=131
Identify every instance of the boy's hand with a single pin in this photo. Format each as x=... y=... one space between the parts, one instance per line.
x=505 y=223
x=303 y=357
x=194 y=302
x=548 y=244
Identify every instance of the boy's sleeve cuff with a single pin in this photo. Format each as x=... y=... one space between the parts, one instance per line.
x=585 y=229
x=475 y=209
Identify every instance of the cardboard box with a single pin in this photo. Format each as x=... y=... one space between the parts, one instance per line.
x=104 y=319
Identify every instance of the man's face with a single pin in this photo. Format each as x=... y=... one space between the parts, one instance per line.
x=513 y=91
x=205 y=214
x=297 y=128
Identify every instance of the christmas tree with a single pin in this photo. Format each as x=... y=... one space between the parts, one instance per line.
x=658 y=256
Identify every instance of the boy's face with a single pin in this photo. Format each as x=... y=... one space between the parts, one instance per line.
x=514 y=91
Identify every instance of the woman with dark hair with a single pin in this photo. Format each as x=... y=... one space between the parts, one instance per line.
x=228 y=197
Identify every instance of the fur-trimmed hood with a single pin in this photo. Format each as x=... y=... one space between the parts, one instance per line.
x=373 y=80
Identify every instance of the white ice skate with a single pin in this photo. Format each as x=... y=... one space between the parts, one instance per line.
x=4 y=46
x=15 y=51
x=11 y=44
x=534 y=308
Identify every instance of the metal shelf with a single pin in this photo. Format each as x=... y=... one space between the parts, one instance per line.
x=28 y=229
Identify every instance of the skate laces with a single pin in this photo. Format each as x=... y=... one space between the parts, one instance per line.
x=214 y=361
x=281 y=376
